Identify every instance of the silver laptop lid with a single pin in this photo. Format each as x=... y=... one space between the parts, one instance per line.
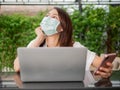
x=52 y=64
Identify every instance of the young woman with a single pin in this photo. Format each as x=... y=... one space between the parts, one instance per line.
x=56 y=31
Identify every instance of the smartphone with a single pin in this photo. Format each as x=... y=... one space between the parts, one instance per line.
x=107 y=58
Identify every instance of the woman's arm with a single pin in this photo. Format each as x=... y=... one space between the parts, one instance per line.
x=34 y=43
x=94 y=60
x=16 y=65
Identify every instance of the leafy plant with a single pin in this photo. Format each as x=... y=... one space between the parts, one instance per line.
x=93 y=27
x=15 y=31
x=98 y=29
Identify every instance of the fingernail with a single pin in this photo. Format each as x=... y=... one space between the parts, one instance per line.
x=100 y=68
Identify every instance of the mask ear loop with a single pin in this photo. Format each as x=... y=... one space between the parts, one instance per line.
x=44 y=33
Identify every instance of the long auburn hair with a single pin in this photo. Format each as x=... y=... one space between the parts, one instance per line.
x=65 y=38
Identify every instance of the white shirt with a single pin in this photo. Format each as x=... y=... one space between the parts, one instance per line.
x=90 y=54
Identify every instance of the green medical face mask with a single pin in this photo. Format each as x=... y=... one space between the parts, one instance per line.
x=49 y=25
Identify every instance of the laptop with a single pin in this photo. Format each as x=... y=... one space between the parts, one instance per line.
x=42 y=64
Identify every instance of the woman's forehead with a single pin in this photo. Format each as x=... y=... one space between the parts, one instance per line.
x=53 y=11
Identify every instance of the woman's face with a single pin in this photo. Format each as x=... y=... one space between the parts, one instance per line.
x=54 y=14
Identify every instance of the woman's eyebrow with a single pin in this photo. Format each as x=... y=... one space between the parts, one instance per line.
x=53 y=14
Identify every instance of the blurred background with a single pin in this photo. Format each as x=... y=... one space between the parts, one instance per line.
x=96 y=25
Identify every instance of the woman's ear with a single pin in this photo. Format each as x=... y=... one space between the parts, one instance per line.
x=59 y=28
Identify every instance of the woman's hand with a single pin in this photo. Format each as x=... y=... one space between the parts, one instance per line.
x=105 y=72
x=38 y=40
x=39 y=32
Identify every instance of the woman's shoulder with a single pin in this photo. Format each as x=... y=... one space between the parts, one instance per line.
x=77 y=44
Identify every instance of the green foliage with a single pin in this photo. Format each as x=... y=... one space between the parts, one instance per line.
x=93 y=27
x=15 y=31
x=113 y=30
x=97 y=29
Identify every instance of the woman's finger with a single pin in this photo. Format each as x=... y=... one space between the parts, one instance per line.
x=104 y=74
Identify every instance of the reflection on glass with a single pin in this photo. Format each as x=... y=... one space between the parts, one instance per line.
x=103 y=83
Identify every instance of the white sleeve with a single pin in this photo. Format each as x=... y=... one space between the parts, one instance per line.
x=31 y=43
x=90 y=55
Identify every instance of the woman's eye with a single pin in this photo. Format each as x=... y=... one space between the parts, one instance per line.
x=55 y=17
